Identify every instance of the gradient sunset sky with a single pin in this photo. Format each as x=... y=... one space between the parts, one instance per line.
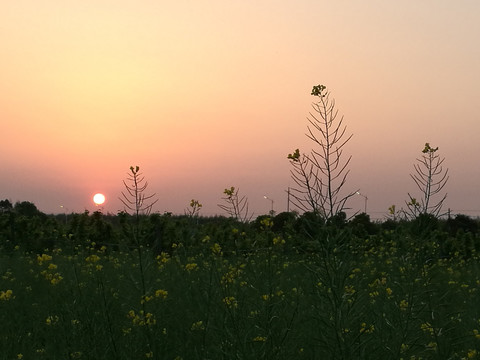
x=205 y=95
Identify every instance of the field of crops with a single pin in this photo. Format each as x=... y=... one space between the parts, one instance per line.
x=345 y=300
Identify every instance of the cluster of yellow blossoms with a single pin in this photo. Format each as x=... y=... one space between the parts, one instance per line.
x=230 y=302
x=6 y=295
x=217 y=249
x=49 y=273
x=160 y=293
x=141 y=318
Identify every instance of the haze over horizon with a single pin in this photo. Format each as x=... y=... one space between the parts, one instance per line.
x=208 y=95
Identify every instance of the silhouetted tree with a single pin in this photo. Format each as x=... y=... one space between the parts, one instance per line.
x=26 y=208
x=462 y=222
x=5 y=205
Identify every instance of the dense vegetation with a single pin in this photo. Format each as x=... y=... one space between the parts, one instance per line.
x=84 y=286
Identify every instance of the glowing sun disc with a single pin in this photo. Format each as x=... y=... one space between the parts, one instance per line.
x=99 y=199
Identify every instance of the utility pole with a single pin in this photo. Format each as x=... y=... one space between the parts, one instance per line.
x=288 y=199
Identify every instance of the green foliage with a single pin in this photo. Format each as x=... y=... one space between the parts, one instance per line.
x=26 y=208
x=383 y=294
x=5 y=205
x=362 y=226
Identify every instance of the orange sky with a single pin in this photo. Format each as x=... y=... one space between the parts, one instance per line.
x=205 y=95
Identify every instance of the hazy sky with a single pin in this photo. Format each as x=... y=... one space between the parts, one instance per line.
x=204 y=95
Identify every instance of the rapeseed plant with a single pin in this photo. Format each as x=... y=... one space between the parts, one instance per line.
x=472 y=354
x=217 y=249
x=163 y=258
x=53 y=278
x=403 y=305
x=306 y=294
x=191 y=267
x=266 y=223
x=141 y=318
x=43 y=258
x=92 y=259
x=230 y=302
x=197 y=326
x=160 y=293
x=145 y=298
x=364 y=329
x=52 y=320
x=259 y=339
x=6 y=295
x=278 y=240
x=231 y=275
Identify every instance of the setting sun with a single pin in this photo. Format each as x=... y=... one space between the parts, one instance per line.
x=99 y=199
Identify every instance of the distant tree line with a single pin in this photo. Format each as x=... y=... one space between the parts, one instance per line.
x=23 y=225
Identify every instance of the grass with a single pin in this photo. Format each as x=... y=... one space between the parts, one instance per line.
x=343 y=301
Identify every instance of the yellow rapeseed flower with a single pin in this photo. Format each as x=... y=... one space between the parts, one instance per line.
x=349 y=290
x=191 y=266
x=56 y=278
x=403 y=305
x=427 y=327
x=216 y=249
x=197 y=326
x=141 y=319
x=43 y=258
x=51 y=320
x=161 y=294
x=145 y=298
x=364 y=329
x=6 y=295
x=266 y=223
x=259 y=339
x=163 y=258
x=92 y=259
x=230 y=301
x=278 y=240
